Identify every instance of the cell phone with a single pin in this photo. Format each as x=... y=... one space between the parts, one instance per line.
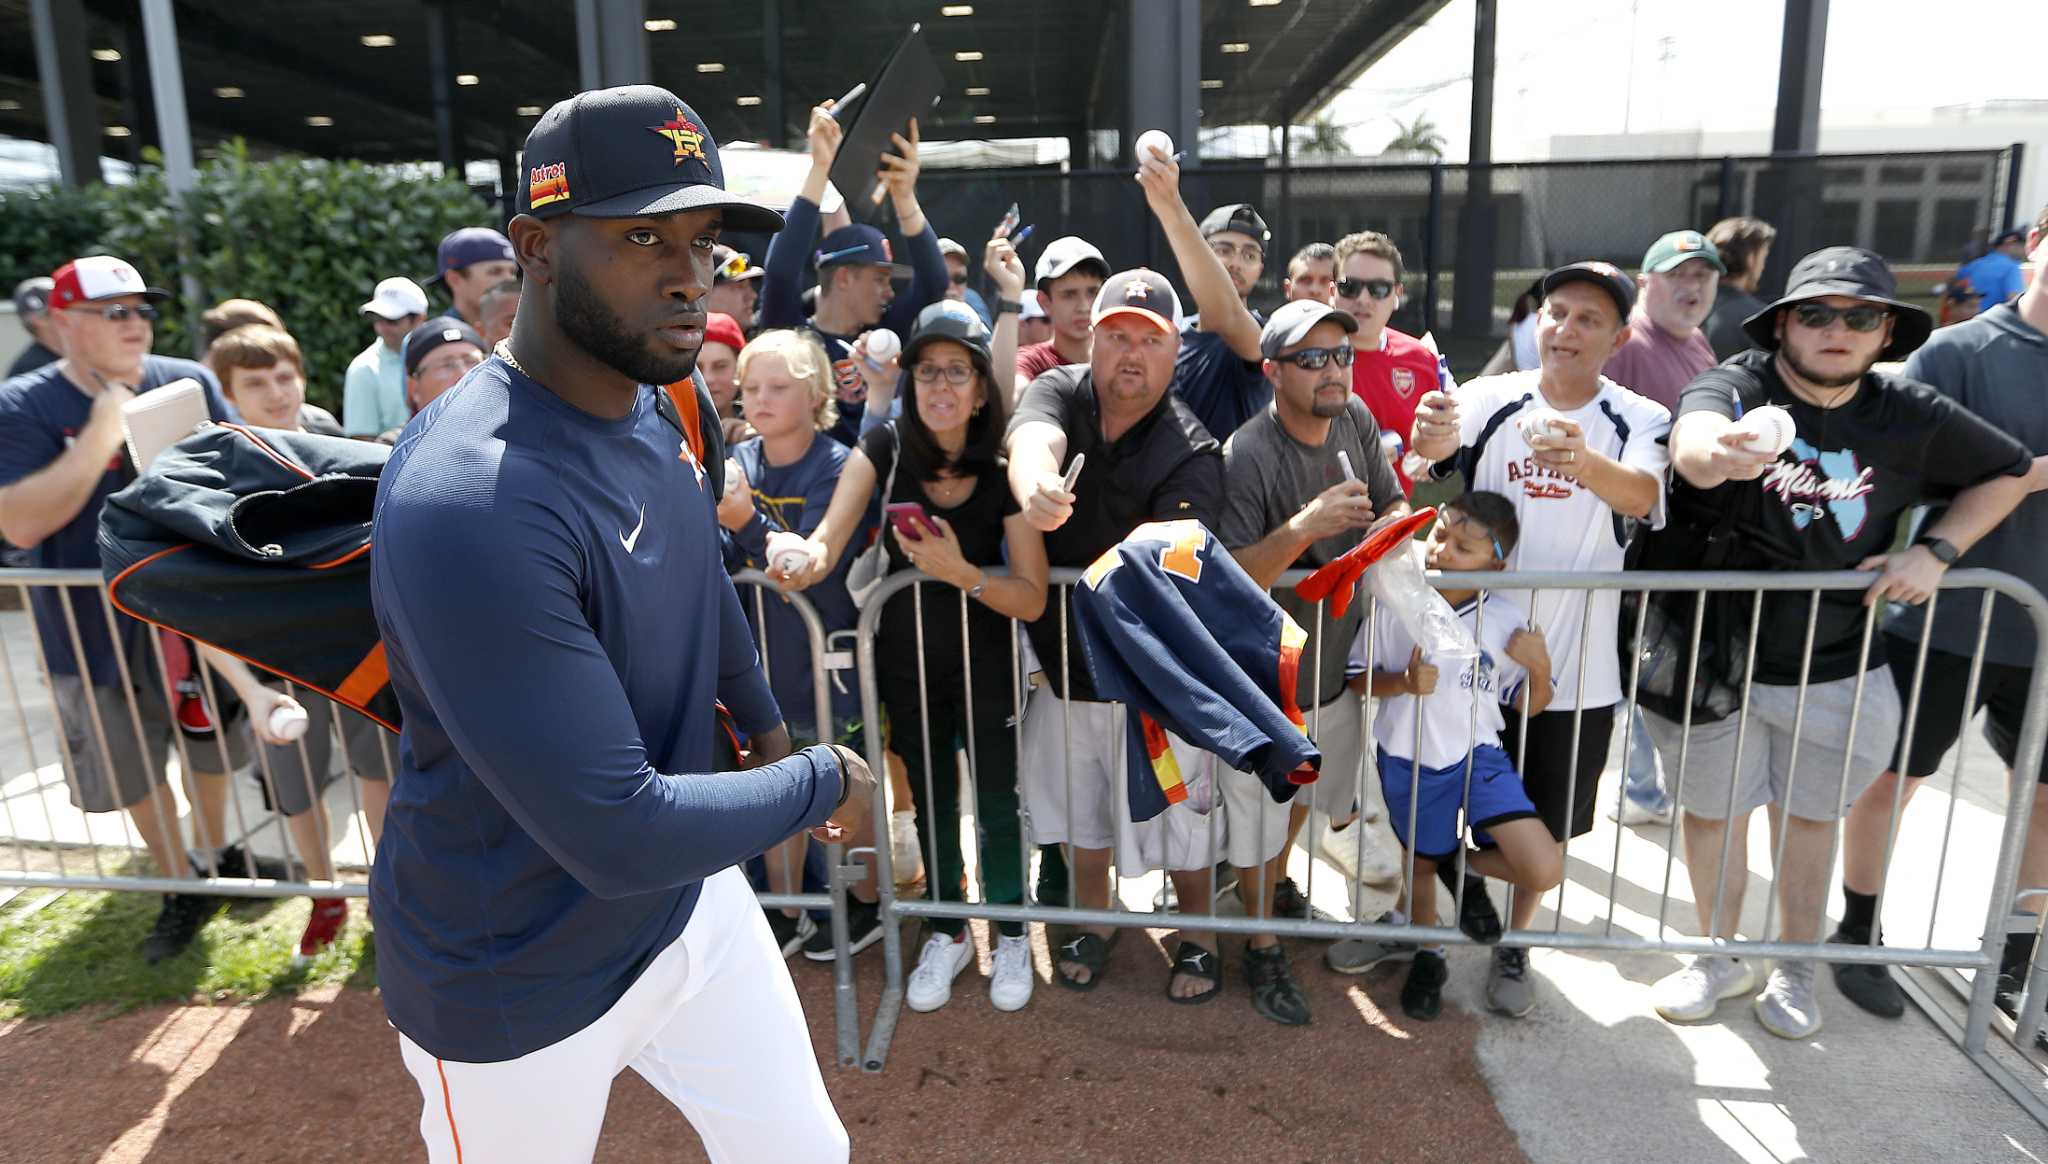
x=910 y=520
x=1009 y=222
x=1073 y=472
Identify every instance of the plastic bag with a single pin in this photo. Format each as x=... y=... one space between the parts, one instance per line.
x=1397 y=583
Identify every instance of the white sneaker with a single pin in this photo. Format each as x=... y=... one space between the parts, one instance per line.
x=942 y=960
x=906 y=854
x=1632 y=814
x=1690 y=995
x=1010 y=987
x=1787 y=1007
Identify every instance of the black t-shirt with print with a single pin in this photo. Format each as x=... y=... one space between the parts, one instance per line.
x=1165 y=468
x=977 y=522
x=1835 y=496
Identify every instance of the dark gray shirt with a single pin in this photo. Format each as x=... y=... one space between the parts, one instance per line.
x=1995 y=365
x=1724 y=331
x=1268 y=477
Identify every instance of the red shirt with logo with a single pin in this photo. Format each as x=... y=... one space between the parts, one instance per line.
x=1391 y=381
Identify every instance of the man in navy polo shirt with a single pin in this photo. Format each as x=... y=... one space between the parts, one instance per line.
x=61 y=455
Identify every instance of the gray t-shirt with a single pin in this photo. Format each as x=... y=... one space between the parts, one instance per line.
x=1995 y=365
x=1268 y=477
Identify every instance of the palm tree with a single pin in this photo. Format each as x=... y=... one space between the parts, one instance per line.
x=1419 y=137
x=1325 y=138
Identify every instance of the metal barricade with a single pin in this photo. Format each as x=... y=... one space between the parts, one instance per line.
x=1966 y=937
x=51 y=844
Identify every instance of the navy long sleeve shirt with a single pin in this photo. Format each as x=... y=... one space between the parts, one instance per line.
x=558 y=624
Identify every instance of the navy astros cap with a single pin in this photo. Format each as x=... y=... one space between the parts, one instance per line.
x=1606 y=276
x=421 y=341
x=861 y=244
x=629 y=152
x=471 y=244
x=1140 y=292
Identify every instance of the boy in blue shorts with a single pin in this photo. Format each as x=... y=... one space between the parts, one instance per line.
x=1454 y=731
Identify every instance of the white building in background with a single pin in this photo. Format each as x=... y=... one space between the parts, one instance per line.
x=1895 y=205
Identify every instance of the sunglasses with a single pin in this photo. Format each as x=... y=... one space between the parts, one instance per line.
x=1860 y=318
x=1314 y=359
x=960 y=280
x=735 y=266
x=122 y=313
x=1377 y=288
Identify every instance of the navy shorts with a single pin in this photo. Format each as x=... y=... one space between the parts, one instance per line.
x=1496 y=795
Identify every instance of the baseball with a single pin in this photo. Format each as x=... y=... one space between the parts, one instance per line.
x=788 y=553
x=882 y=345
x=1770 y=429
x=1150 y=140
x=1541 y=422
x=287 y=722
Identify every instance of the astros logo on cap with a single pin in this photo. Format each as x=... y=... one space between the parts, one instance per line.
x=688 y=139
x=1606 y=268
x=547 y=184
x=1136 y=291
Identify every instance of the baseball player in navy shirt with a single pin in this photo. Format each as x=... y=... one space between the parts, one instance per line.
x=556 y=896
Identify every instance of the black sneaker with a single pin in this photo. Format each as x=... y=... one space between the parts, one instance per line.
x=790 y=932
x=177 y=923
x=1422 y=992
x=1476 y=915
x=2012 y=981
x=1275 y=993
x=1288 y=900
x=863 y=929
x=234 y=861
x=1866 y=984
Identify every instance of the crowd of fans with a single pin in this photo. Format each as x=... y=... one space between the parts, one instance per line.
x=1034 y=426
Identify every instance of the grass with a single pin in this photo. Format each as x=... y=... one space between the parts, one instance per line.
x=83 y=950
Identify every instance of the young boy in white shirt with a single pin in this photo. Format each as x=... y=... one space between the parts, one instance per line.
x=1439 y=736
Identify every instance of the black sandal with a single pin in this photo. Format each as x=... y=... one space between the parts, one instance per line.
x=1195 y=962
x=1088 y=951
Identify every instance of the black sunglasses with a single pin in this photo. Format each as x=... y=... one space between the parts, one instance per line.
x=122 y=313
x=1377 y=288
x=1313 y=359
x=960 y=280
x=1859 y=318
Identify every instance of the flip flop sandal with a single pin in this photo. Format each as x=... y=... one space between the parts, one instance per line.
x=1089 y=951
x=1195 y=962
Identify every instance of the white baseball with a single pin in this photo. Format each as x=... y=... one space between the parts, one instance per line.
x=287 y=722
x=1150 y=140
x=788 y=553
x=882 y=345
x=1543 y=422
x=1770 y=429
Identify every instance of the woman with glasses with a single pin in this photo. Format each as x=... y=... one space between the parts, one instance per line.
x=944 y=455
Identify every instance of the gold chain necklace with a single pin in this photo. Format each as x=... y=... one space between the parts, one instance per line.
x=504 y=352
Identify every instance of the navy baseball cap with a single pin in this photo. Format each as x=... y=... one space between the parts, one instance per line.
x=1239 y=217
x=1293 y=321
x=422 y=341
x=628 y=152
x=1606 y=276
x=861 y=244
x=1140 y=292
x=471 y=244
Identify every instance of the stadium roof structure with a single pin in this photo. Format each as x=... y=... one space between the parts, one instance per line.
x=354 y=78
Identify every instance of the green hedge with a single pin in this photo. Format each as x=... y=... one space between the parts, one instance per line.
x=310 y=237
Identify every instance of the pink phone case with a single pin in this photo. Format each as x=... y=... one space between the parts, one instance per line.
x=910 y=520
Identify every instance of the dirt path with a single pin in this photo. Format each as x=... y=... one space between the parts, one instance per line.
x=1117 y=1074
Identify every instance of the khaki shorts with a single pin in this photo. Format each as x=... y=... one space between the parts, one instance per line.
x=1077 y=795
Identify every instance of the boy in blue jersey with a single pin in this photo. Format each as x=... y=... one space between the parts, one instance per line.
x=555 y=892
x=1439 y=742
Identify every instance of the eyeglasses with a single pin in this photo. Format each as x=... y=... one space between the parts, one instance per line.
x=447 y=366
x=121 y=312
x=1249 y=252
x=1313 y=359
x=960 y=280
x=736 y=265
x=1862 y=317
x=958 y=375
x=1377 y=288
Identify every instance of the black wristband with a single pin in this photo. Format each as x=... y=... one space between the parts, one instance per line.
x=1008 y=305
x=841 y=753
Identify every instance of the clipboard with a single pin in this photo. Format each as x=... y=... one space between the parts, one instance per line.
x=906 y=86
x=156 y=420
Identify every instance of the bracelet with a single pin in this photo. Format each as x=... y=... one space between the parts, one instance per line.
x=1004 y=306
x=980 y=585
x=840 y=753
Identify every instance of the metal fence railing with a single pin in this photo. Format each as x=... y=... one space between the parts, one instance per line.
x=1961 y=926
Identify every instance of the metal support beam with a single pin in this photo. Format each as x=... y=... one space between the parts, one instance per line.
x=774 y=87
x=1800 y=56
x=1163 y=75
x=2016 y=160
x=611 y=43
x=441 y=67
x=174 y=133
x=1472 y=295
x=70 y=108
x=138 y=105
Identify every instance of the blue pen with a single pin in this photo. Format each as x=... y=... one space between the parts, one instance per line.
x=827 y=256
x=1021 y=235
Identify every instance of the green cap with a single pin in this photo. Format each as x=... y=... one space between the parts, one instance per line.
x=1680 y=246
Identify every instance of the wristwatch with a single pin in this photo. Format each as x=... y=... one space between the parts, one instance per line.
x=1944 y=551
x=978 y=587
x=1007 y=305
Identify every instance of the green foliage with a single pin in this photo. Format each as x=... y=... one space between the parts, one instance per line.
x=308 y=236
x=1419 y=136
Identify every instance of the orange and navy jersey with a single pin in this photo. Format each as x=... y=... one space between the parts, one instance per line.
x=1175 y=629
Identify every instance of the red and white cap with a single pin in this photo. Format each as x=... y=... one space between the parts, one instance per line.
x=98 y=277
